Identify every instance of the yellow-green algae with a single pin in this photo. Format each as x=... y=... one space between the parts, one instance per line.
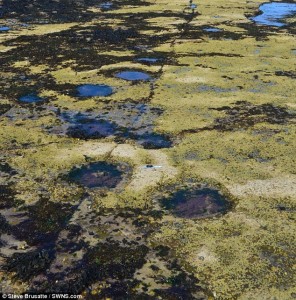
x=248 y=253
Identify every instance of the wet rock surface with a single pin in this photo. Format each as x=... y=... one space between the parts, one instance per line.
x=148 y=60
x=29 y=235
x=4 y=108
x=123 y=121
x=105 y=253
x=117 y=36
x=245 y=115
x=26 y=265
x=7 y=196
x=91 y=129
x=290 y=74
x=38 y=12
x=154 y=141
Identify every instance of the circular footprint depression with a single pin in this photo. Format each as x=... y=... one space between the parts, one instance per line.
x=99 y=175
x=133 y=75
x=94 y=90
x=198 y=203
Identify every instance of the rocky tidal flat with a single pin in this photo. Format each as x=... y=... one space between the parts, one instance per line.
x=147 y=149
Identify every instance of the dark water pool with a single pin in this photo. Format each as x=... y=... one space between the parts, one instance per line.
x=133 y=75
x=148 y=60
x=94 y=90
x=97 y=175
x=106 y=5
x=31 y=98
x=198 y=203
x=91 y=129
x=123 y=121
x=274 y=13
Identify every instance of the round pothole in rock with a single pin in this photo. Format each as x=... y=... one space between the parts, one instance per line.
x=94 y=90
x=133 y=75
x=194 y=204
x=99 y=175
x=274 y=13
x=31 y=98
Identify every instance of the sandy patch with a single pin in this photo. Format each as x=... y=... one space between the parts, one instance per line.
x=275 y=187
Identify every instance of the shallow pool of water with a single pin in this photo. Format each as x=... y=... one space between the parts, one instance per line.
x=149 y=60
x=30 y=98
x=94 y=90
x=4 y=28
x=273 y=13
x=124 y=121
x=133 y=75
x=91 y=129
x=212 y=29
x=106 y=5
